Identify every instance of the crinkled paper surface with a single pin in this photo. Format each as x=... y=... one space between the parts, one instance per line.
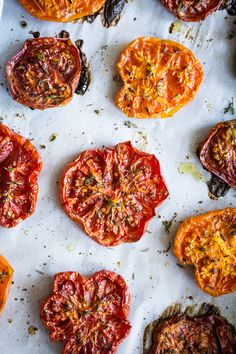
x=48 y=242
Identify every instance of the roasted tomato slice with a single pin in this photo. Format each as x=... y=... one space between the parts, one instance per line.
x=62 y=10
x=192 y=10
x=20 y=165
x=160 y=77
x=113 y=192
x=90 y=315
x=45 y=72
x=208 y=242
x=6 y=274
x=187 y=333
x=218 y=152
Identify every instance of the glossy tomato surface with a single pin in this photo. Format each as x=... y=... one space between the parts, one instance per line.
x=62 y=10
x=192 y=10
x=208 y=242
x=218 y=152
x=203 y=334
x=89 y=314
x=159 y=77
x=45 y=72
x=6 y=274
x=113 y=192
x=20 y=165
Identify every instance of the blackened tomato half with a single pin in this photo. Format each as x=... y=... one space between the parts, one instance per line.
x=113 y=192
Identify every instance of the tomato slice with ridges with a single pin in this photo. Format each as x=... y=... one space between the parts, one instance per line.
x=159 y=77
x=208 y=242
x=6 y=274
x=44 y=73
x=89 y=314
x=20 y=165
x=113 y=192
x=191 y=10
x=62 y=10
x=218 y=152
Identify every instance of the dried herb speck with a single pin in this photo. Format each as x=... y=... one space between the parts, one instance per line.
x=23 y=24
x=230 y=108
x=53 y=137
x=129 y=124
x=32 y=330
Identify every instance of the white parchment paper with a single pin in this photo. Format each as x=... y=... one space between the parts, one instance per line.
x=48 y=242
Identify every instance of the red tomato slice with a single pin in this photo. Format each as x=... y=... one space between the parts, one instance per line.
x=113 y=192
x=20 y=165
x=90 y=315
x=192 y=10
x=45 y=72
x=218 y=152
x=6 y=274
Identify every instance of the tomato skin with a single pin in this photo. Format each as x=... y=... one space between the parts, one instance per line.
x=89 y=314
x=60 y=11
x=6 y=275
x=218 y=153
x=45 y=73
x=159 y=78
x=208 y=242
x=20 y=165
x=192 y=11
x=113 y=192
x=186 y=334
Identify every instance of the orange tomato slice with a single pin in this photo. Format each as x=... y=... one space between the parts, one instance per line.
x=208 y=242
x=6 y=274
x=159 y=77
x=61 y=10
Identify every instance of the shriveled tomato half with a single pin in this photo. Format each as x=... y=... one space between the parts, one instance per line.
x=62 y=10
x=208 y=242
x=218 y=152
x=89 y=314
x=159 y=77
x=184 y=333
x=6 y=274
x=113 y=192
x=45 y=72
x=20 y=165
x=192 y=10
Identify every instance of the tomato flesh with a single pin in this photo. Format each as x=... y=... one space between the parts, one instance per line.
x=6 y=274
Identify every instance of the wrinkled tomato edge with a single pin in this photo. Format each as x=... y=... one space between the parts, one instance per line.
x=4 y=295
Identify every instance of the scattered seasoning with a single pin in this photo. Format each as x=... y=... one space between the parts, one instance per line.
x=32 y=330
x=145 y=250
x=168 y=223
x=97 y=111
x=10 y=320
x=129 y=124
x=23 y=24
x=230 y=107
x=3 y=275
x=35 y=34
x=53 y=137
x=42 y=146
x=179 y=265
x=38 y=271
x=118 y=263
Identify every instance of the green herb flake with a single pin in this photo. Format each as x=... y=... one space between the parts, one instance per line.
x=168 y=223
x=32 y=330
x=40 y=56
x=10 y=320
x=23 y=24
x=53 y=137
x=129 y=124
x=88 y=180
x=116 y=78
x=97 y=112
x=180 y=265
x=230 y=108
x=3 y=275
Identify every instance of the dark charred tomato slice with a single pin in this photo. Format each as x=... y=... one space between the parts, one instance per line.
x=159 y=77
x=20 y=165
x=185 y=334
x=192 y=10
x=62 y=10
x=208 y=242
x=113 y=192
x=45 y=72
x=6 y=274
x=90 y=315
x=218 y=152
